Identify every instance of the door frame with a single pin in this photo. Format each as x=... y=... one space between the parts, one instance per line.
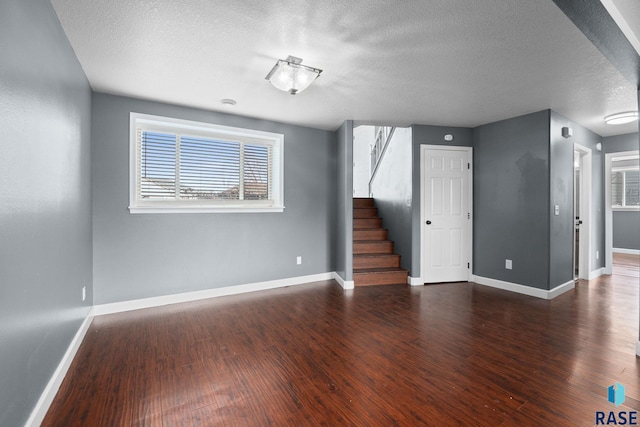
x=608 y=210
x=469 y=233
x=586 y=204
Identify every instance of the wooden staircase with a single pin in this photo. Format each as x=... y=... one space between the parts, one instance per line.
x=374 y=262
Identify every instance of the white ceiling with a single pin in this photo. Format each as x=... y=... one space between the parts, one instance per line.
x=448 y=62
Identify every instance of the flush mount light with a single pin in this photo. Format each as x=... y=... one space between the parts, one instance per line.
x=621 y=118
x=291 y=76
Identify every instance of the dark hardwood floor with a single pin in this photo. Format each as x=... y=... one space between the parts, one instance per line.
x=441 y=355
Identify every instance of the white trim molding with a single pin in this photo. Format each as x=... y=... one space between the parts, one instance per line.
x=415 y=281
x=587 y=234
x=626 y=251
x=596 y=273
x=523 y=289
x=608 y=212
x=638 y=348
x=346 y=284
x=49 y=393
x=118 y=307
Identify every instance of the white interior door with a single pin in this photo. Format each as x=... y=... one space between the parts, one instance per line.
x=446 y=213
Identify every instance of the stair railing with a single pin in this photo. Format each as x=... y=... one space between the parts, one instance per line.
x=383 y=137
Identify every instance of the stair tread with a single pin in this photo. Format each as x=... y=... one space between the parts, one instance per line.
x=379 y=270
x=378 y=254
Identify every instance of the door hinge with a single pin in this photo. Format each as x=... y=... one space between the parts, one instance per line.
x=468 y=165
x=468 y=265
x=468 y=215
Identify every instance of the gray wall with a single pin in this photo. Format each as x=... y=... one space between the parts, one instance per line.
x=344 y=202
x=561 y=186
x=392 y=191
x=511 y=200
x=429 y=135
x=626 y=224
x=147 y=255
x=618 y=143
x=45 y=202
x=626 y=230
x=561 y=177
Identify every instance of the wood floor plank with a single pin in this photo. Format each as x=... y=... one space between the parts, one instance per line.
x=445 y=354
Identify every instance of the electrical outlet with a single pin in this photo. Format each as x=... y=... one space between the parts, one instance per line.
x=299 y=260
x=84 y=293
x=507 y=264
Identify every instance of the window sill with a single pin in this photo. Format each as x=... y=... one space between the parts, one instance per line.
x=626 y=209
x=201 y=209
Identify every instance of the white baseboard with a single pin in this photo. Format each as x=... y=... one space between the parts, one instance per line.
x=638 y=348
x=561 y=289
x=415 y=281
x=118 y=307
x=626 y=251
x=596 y=273
x=46 y=398
x=522 y=289
x=346 y=284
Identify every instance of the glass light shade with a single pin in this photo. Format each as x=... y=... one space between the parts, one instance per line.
x=621 y=118
x=292 y=77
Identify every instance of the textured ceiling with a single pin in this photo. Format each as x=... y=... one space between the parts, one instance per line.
x=447 y=62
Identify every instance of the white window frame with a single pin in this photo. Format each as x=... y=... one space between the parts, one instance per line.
x=207 y=130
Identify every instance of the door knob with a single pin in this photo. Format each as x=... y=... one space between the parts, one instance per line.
x=428 y=222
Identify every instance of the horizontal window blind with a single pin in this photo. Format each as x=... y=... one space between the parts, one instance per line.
x=625 y=188
x=209 y=169
x=257 y=167
x=157 y=166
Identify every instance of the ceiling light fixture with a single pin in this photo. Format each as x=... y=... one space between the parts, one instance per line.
x=291 y=76
x=621 y=118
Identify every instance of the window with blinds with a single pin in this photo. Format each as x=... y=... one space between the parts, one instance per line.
x=625 y=182
x=189 y=166
x=625 y=189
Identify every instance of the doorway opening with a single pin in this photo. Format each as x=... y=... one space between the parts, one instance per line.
x=619 y=167
x=582 y=212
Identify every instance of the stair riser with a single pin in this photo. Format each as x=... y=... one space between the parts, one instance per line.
x=363 y=203
x=367 y=223
x=391 y=278
x=365 y=213
x=382 y=261
x=382 y=247
x=378 y=234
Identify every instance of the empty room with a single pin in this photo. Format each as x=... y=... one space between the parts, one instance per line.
x=319 y=213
